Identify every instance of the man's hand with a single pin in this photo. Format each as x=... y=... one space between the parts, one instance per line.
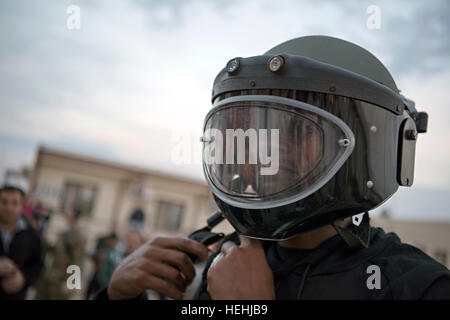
x=12 y=278
x=242 y=273
x=7 y=267
x=13 y=283
x=161 y=264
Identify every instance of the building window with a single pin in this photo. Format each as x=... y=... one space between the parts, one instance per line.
x=169 y=216
x=77 y=195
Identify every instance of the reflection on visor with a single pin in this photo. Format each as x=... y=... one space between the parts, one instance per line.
x=257 y=151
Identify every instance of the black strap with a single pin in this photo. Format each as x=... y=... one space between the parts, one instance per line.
x=205 y=237
x=356 y=236
x=202 y=292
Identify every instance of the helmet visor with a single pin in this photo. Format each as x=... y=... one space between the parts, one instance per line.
x=264 y=151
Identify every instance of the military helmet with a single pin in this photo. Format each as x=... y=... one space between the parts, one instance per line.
x=312 y=131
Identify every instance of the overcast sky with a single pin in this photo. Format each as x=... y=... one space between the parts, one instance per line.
x=133 y=84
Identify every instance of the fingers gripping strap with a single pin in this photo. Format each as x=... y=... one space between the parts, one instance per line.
x=202 y=293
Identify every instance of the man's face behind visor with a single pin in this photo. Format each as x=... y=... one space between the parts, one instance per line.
x=263 y=150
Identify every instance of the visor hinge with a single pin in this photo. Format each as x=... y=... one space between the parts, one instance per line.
x=357 y=234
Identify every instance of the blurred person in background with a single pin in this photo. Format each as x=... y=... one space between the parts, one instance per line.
x=38 y=216
x=104 y=246
x=132 y=240
x=28 y=208
x=137 y=219
x=68 y=250
x=20 y=246
x=41 y=219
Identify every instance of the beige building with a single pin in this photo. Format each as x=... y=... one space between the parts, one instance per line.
x=108 y=193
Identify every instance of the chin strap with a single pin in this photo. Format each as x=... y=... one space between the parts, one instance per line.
x=205 y=234
x=357 y=234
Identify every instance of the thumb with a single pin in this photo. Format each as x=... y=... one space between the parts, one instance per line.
x=249 y=242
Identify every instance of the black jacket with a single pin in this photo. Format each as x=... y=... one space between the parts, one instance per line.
x=25 y=250
x=334 y=271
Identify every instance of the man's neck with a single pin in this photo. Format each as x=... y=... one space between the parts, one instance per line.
x=314 y=238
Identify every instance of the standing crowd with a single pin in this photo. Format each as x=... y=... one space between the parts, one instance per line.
x=32 y=268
